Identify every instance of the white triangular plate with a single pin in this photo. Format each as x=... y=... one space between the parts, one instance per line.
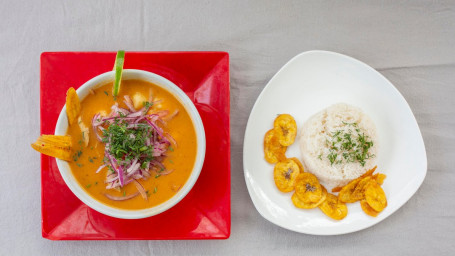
x=308 y=83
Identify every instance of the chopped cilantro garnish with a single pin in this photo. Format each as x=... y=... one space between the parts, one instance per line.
x=77 y=155
x=88 y=185
x=107 y=94
x=351 y=147
x=128 y=143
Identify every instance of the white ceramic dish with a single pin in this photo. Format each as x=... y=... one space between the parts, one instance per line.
x=65 y=171
x=307 y=84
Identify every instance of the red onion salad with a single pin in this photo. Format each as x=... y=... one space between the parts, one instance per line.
x=135 y=145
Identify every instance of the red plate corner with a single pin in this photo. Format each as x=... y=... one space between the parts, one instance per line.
x=205 y=213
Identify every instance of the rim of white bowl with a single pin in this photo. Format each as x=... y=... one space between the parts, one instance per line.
x=128 y=74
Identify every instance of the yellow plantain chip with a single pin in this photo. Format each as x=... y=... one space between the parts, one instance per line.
x=368 y=173
x=359 y=191
x=379 y=177
x=73 y=105
x=367 y=208
x=297 y=161
x=300 y=204
x=333 y=207
x=285 y=175
x=273 y=150
x=336 y=189
x=54 y=145
x=375 y=196
x=285 y=128
x=347 y=192
x=307 y=188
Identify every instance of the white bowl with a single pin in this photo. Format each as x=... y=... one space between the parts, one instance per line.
x=128 y=74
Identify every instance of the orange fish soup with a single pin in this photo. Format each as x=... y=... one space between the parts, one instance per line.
x=176 y=153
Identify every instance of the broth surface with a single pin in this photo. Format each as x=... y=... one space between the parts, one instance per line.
x=181 y=159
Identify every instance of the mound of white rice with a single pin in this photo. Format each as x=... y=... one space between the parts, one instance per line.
x=321 y=142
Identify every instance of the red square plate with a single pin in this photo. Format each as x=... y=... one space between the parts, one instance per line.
x=205 y=213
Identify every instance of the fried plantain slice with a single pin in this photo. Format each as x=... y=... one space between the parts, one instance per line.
x=359 y=191
x=73 y=105
x=285 y=174
x=285 y=128
x=300 y=204
x=333 y=207
x=336 y=189
x=375 y=196
x=273 y=150
x=297 y=161
x=54 y=145
x=346 y=192
x=379 y=177
x=367 y=208
x=307 y=188
x=368 y=173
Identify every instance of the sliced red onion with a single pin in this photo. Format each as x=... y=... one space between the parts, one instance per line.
x=100 y=168
x=171 y=139
x=145 y=173
x=117 y=168
x=96 y=124
x=158 y=164
x=157 y=129
x=166 y=172
x=121 y=198
x=158 y=139
x=141 y=189
x=111 y=179
x=113 y=184
x=175 y=113
x=129 y=103
x=136 y=114
x=134 y=167
x=162 y=113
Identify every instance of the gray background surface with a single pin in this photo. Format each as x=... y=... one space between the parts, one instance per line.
x=409 y=42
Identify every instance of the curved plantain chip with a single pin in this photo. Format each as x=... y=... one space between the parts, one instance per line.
x=368 y=173
x=359 y=191
x=300 y=204
x=346 y=192
x=285 y=174
x=336 y=189
x=379 y=177
x=297 y=161
x=273 y=150
x=367 y=208
x=350 y=193
x=307 y=188
x=285 y=128
x=375 y=196
x=333 y=207
x=54 y=145
x=73 y=105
